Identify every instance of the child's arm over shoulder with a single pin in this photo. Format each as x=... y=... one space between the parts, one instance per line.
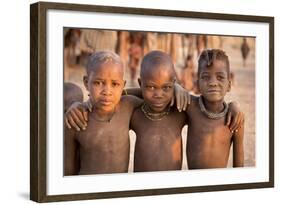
x=181 y=98
x=133 y=91
x=192 y=103
x=71 y=157
x=131 y=101
x=77 y=115
x=191 y=108
x=235 y=117
x=238 y=147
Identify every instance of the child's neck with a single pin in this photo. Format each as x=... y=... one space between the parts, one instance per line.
x=213 y=110
x=148 y=108
x=102 y=115
x=152 y=115
x=215 y=107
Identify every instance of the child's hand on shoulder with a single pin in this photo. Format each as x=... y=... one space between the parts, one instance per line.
x=77 y=115
x=235 y=117
x=182 y=98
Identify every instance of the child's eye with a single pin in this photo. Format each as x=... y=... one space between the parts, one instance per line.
x=150 y=87
x=97 y=83
x=115 y=84
x=167 y=88
x=220 y=77
x=205 y=77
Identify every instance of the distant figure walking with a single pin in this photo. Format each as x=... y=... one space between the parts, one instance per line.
x=135 y=54
x=245 y=49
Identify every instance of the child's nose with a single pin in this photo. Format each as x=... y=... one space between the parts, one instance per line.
x=107 y=90
x=213 y=82
x=158 y=93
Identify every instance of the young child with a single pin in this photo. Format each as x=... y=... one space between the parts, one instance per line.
x=158 y=143
x=102 y=147
x=157 y=125
x=209 y=139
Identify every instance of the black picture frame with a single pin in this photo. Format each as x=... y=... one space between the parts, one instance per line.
x=38 y=100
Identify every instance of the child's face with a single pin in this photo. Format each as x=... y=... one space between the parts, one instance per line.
x=213 y=81
x=105 y=86
x=157 y=88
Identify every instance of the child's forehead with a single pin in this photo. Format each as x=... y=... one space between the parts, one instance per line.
x=163 y=78
x=160 y=70
x=94 y=76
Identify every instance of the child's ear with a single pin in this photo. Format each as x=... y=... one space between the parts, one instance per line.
x=85 y=81
x=139 y=81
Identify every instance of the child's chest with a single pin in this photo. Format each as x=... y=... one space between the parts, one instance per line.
x=100 y=134
x=170 y=124
x=205 y=129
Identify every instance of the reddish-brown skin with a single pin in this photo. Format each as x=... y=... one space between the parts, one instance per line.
x=209 y=140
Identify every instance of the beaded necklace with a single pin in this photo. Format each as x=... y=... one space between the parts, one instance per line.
x=153 y=116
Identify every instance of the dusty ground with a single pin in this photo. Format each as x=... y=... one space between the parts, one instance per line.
x=243 y=91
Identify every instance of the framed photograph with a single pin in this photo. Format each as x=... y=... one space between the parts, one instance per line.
x=66 y=38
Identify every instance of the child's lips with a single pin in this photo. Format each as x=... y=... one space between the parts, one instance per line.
x=213 y=91
x=158 y=104
x=105 y=102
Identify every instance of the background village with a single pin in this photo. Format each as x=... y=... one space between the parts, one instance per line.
x=184 y=50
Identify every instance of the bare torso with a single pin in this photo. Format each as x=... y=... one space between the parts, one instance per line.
x=159 y=143
x=208 y=140
x=104 y=146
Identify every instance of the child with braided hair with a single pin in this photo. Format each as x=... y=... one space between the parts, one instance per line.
x=209 y=140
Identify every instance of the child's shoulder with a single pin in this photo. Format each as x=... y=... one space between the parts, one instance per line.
x=192 y=107
x=130 y=100
x=176 y=114
x=194 y=100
